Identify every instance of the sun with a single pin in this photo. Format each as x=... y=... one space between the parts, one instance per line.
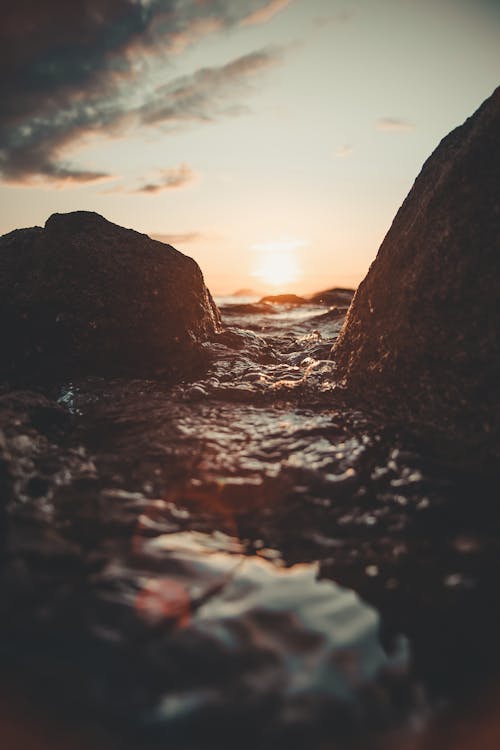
x=277 y=264
x=278 y=269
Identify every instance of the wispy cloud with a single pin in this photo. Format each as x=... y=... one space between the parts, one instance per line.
x=264 y=14
x=169 y=179
x=208 y=93
x=70 y=70
x=394 y=125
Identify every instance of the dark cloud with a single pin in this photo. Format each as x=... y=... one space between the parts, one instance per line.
x=394 y=124
x=68 y=70
x=169 y=179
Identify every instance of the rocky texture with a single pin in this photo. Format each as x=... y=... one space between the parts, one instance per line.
x=337 y=296
x=422 y=334
x=84 y=294
x=32 y=461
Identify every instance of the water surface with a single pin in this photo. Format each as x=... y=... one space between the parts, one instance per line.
x=245 y=555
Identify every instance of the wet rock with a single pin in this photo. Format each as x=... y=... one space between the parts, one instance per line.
x=334 y=297
x=33 y=463
x=247 y=343
x=43 y=415
x=284 y=299
x=84 y=294
x=422 y=334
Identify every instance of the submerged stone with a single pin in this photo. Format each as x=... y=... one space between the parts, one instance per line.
x=422 y=334
x=84 y=294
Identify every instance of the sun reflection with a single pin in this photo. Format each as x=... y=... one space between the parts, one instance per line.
x=278 y=263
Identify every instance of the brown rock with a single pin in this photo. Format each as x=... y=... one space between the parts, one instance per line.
x=422 y=334
x=84 y=294
x=333 y=297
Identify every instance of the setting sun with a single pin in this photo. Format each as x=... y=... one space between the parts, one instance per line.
x=278 y=264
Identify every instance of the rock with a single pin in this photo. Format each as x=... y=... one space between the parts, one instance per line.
x=247 y=308
x=86 y=295
x=422 y=334
x=283 y=299
x=32 y=426
x=333 y=297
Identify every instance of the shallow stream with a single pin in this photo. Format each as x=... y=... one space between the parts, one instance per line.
x=244 y=560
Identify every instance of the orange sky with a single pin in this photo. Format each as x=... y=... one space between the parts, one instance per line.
x=273 y=141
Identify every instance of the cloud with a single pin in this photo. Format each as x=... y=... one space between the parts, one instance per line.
x=207 y=93
x=394 y=124
x=70 y=70
x=261 y=15
x=170 y=179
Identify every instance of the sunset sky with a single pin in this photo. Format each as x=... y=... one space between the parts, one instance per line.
x=271 y=140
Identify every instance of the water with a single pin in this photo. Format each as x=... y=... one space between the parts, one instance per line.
x=244 y=559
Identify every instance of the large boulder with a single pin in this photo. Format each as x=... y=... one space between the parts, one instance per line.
x=85 y=295
x=422 y=334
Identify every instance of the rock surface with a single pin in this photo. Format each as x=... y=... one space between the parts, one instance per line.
x=84 y=294
x=422 y=333
x=336 y=296
x=283 y=299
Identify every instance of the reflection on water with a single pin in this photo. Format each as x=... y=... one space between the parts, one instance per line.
x=234 y=633
x=183 y=551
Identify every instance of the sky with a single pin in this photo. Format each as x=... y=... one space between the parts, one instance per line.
x=271 y=140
